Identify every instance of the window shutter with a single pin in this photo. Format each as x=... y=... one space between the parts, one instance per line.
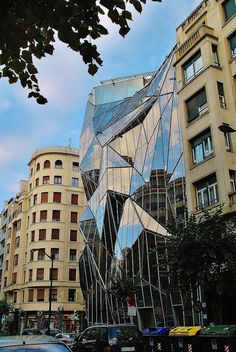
x=46 y=164
x=56 y=215
x=55 y=234
x=40 y=274
x=73 y=217
x=56 y=197
x=73 y=235
x=40 y=294
x=74 y=199
x=30 y=295
x=42 y=234
x=55 y=274
x=43 y=215
x=44 y=197
x=72 y=274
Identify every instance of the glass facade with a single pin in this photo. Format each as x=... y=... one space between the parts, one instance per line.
x=133 y=175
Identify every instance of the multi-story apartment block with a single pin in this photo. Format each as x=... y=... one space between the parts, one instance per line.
x=206 y=82
x=42 y=222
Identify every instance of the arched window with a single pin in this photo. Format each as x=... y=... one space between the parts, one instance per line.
x=38 y=167
x=46 y=164
x=58 y=164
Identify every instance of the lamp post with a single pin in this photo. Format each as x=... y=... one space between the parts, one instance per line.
x=51 y=257
x=226 y=128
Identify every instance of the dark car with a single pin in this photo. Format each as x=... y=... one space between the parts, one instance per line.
x=109 y=338
x=31 y=343
x=52 y=332
x=32 y=332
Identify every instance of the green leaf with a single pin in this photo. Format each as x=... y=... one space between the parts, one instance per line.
x=32 y=69
x=92 y=69
x=41 y=100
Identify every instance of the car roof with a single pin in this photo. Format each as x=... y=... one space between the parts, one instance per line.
x=25 y=340
x=112 y=325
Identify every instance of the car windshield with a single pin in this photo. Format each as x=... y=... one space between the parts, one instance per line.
x=36 y=348
x=123 y=332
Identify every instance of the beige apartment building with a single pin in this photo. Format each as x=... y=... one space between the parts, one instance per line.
x=206 y=82
x=41 y=222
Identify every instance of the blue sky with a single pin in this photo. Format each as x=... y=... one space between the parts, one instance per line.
x=64 y=80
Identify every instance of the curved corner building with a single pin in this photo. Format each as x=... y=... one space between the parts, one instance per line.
x=132 y=171
x=45 y=223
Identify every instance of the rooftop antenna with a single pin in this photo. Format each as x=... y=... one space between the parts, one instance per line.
x=69 y=143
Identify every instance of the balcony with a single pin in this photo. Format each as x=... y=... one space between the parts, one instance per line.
x=2 y=251
x=198 y=12
x=196 y=37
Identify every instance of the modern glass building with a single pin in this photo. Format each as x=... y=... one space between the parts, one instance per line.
x=133 y=175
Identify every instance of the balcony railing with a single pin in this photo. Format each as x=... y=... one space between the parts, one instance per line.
x=195 y=15
x=198 y=35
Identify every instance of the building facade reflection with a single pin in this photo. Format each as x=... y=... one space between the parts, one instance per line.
x=133 y=175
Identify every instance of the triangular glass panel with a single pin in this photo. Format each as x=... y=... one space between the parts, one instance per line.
x=87 y=215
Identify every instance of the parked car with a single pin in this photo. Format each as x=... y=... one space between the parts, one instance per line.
x=53 y=332
x=32 y=332
x=31 y=343
x=109 y=338
x=67 y=339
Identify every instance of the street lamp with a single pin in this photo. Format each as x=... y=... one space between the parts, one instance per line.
x=51 y=257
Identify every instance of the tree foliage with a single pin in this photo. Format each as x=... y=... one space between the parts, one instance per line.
x=202 y=251
x=5 y=308
x=122 y=286
x=28 y=29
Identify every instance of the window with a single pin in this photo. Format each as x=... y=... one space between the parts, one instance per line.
x=73 y=216
x=58 y=180
x=72 y=274
x=30 y=186
x=30 y=274
x=56 y=197
x=38 y=167
x=72 y=254
x=55 y=252
x=55 y=234
x=74 y=199
x=5 y=281
x=37 y=182
x=30 y=295
x=71 y=295
x=33 y=218
x=14 y=296
x=220 y=88
x=232 y=175
x=54 y=294
x=74 y=182
x=18 y=225
x=43 y=215
x=75 y=166
x=197 y=105
x=17 y=241
x=31 y=171
x=54 y=274
x=16 y=256
x=41 y=254
x=46 y=179
x=46 y=164
x=40 y=295
x=56 y=215
x=31 y=255
x=42 y=234
x=228 y=143
x=6 y=265
x=192 y=66
x=73 y=235
x=232 y=42
x=202 y=147
x=215 y=55
x=206 y=192
x=58 y=164
x=32 y=236
x=35 y=199
x=14 y=278
x=40 y=274
x=229 y=9
x=44 y=197
x=8 y=248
